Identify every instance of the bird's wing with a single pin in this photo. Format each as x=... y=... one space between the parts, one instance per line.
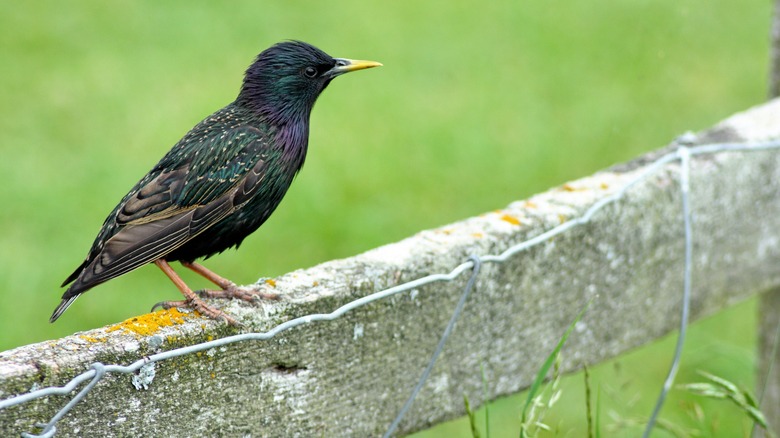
x=197 y=174
x=173 y=204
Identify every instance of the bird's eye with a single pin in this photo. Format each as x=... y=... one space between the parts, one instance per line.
x=310 y=72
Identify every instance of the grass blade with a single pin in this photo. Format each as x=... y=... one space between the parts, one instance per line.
x=542 y=373
x=472 y=417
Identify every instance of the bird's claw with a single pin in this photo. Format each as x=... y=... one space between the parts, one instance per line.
x=198 y=305
x=250 y=296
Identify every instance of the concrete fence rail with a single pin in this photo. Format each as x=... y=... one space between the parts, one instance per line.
x=350 y=376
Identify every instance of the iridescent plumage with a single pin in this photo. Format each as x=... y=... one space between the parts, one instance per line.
x=222 y=180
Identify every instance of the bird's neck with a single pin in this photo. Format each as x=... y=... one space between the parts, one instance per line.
x=280 y=107
x=294 y=138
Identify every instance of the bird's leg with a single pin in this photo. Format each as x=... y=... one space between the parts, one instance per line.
x=229 y=289
x=190 y=299
x=210 y=275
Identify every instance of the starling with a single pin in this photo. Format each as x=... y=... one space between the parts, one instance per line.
x=220 y=182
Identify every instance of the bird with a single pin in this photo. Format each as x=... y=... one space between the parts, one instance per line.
x=219 y=183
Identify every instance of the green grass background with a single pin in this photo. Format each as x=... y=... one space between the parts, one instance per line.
x=479 y=104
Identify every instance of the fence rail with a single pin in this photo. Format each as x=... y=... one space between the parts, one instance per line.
x=617 y=235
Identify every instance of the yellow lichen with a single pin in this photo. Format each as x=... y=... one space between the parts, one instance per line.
x=511 y=219
x=271 y=282
x=604 y=186
x=91 y=339
x=477 y=235
x=529 y=204
x=146 y=325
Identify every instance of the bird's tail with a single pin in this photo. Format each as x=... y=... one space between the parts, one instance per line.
x=64 y=304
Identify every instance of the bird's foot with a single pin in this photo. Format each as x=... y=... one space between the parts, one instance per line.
x=201 y=307
x=233 y=291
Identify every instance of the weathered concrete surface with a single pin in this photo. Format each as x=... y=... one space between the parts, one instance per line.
x=351 y=376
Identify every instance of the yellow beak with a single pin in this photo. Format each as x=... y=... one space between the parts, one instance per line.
x=344 y=65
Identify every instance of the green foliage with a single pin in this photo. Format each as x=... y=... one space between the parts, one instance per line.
x=541 y=399
x=472 y=418
x=720 y=388
x=536 y=404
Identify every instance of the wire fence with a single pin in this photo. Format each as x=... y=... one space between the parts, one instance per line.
x=145 y=367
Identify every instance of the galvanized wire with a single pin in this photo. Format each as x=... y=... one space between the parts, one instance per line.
x=685 y=171
x=682 y=154
x=440 y=346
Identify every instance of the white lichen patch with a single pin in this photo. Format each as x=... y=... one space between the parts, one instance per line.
x=145 y=376
x=357 y=332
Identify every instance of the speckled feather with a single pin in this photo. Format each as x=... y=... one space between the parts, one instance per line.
x=221 y=181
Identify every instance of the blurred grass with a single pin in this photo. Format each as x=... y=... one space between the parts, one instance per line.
x=477 y=105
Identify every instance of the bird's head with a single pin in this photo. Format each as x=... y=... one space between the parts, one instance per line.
x=285 y=80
